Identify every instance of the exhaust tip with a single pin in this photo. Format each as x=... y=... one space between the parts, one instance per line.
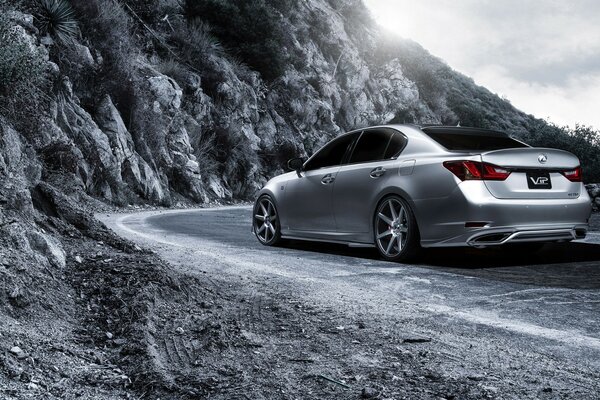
x=491 y=238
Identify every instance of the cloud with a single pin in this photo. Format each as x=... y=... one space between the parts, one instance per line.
x=544 y=55
x=575 y=101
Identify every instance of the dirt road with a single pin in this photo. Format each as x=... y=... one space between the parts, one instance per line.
x=461 y=324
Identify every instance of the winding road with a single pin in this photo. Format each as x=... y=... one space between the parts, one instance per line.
x=490 y=312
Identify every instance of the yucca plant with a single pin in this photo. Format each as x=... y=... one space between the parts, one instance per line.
x=56 y=18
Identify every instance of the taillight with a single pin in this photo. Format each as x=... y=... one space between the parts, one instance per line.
x=476 y=171
x=573 y=175
x=464 y=170
x=494 y=173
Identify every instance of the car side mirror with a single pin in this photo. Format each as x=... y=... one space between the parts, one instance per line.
x=296 y=164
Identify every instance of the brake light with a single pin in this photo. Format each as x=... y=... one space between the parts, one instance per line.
x=573 y=175
x=476 y=171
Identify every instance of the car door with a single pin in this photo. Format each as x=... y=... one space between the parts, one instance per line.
x=359 y=181
x=308 y=196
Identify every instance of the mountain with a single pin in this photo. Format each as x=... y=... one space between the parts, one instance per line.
x=169 y=101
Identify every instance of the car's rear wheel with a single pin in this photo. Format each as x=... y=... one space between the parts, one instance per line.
x=265 y=221
x=396 y=231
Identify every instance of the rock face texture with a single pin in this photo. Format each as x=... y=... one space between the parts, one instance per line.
x=177 y=132
x=21 y=241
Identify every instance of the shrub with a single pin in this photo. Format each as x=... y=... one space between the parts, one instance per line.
x=23 y=78
x=237 y=162
x=198 y=48
x=108 y=27
x=195 y=41
x=241 y=69
x=205 y=151
x=173 y=69
x=56 y=18
x=149 y=131
x=20 y=63
x=249 y=29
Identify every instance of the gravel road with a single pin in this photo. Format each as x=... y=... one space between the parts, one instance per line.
x=516 y=325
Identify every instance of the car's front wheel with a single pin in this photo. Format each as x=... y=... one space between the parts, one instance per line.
x=265 y=223
x=396 y=231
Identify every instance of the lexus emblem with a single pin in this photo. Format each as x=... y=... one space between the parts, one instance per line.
x=542 y=158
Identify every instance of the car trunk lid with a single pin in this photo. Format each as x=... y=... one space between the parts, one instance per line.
x=536 y=173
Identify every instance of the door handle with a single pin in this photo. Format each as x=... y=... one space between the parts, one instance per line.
x=377 y=172
x=327 y=179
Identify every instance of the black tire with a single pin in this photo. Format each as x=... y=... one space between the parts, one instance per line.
x=265 y=221
x=399 y=227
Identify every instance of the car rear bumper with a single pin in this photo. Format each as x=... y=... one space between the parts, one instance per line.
x=500 y=221
x=505 y=235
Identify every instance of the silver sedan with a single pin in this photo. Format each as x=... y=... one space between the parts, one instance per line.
x=401 y=188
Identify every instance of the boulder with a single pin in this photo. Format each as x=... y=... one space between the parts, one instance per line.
x=167 y=92
x=48 y=247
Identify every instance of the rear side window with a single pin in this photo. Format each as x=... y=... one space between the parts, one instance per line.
x=371 y=146
x=331 y=154
x=395 y=146
x=473 y=141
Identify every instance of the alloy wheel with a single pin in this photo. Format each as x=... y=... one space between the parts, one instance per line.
x=265 y=221
x=391 y=227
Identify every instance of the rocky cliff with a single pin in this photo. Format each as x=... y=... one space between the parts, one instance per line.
x=145 y=104
x=165 y=102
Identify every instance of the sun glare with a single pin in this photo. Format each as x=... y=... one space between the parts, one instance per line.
x=392 y=16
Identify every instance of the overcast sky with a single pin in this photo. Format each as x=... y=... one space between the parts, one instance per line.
x=543 y=55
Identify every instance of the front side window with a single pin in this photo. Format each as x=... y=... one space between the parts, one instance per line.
x=331 y=154
x=371 y=146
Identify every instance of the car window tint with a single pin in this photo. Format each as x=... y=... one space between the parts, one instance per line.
x=454 y=139
x=371 y=146
x=395 y=146
x=331 y=154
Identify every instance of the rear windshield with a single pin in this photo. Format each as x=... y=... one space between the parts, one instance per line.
x=474 y=141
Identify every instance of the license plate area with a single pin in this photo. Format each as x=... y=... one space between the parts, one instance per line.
x=538 y=180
